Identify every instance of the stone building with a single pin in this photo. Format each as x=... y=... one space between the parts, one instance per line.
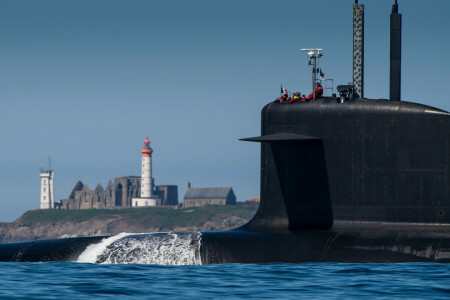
x=124 y=192
x=116 y=195
x=168 y=194
x=196 y=197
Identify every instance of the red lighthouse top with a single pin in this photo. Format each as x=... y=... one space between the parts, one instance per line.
x=147 y=151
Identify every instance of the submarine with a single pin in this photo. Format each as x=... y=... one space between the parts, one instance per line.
x=343 y=179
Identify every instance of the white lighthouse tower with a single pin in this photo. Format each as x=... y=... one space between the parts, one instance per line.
x=47 y=201
x=147 y=197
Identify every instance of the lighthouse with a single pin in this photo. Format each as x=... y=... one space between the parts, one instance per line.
x=147 y=196
x=146 y=173
x=46 y=200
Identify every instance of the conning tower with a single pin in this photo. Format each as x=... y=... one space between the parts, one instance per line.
x=354 y=159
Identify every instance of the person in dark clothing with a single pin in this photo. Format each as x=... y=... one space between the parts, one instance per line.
x=285 y=98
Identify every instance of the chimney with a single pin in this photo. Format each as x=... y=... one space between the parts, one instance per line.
x=189 y=185
x=396 y=54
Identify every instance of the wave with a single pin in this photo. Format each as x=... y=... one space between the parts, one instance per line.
x=150 y=248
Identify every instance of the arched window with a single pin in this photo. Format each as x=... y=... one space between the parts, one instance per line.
x=118 y=195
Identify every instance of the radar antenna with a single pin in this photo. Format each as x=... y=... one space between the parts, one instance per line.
x=314 y=55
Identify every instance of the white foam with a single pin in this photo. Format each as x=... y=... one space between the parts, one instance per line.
x=90 y=254
x=153 y=248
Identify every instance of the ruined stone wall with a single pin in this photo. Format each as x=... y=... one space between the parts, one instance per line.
x=116 y=195
x=168 y=194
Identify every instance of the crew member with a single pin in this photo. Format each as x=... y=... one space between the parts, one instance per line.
x=285 y=98
x=318 y=92
x=295 y=98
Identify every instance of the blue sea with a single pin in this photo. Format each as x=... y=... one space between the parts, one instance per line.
x=169 y=265
x=72 y=280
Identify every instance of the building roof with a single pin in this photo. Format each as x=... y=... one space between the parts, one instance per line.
x=207 y=193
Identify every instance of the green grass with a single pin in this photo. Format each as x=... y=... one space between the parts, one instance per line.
x=164 y=217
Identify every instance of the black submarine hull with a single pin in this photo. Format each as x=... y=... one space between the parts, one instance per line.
x=373 y=243
x=346 y=243
x=359 y=181
x=67 y=249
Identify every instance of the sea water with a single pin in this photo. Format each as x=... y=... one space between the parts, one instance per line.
x=69 y=280
x=168 y=265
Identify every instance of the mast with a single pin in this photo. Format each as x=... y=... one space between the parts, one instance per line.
x=314 y=55
x=358 y=48
x=396 y=54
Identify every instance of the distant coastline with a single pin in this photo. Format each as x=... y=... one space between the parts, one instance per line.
x=50 y=224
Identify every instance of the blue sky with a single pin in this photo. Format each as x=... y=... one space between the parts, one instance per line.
x=87 y=81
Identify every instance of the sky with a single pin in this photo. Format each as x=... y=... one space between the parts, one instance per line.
x=86 y=81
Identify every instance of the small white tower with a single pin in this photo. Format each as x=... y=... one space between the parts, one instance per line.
x=147 y=197
x=47 y=201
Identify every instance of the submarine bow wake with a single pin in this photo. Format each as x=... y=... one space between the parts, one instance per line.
x=153 y=248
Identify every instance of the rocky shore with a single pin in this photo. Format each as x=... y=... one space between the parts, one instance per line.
x=36 y=225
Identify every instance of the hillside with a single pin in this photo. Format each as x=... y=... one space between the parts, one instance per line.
x=48 y=224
